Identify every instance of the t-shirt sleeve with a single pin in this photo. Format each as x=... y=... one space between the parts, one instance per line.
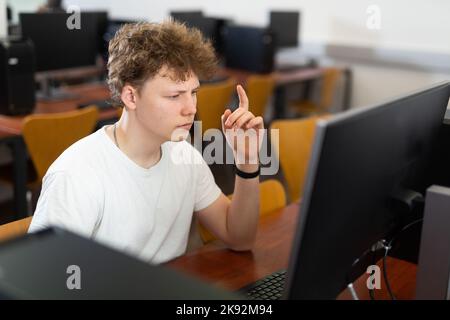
x=206 y=189
x=68 y=202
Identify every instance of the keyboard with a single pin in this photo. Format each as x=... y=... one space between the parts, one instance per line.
x=267 y=288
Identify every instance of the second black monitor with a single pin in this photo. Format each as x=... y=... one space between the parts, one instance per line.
x=59 y=47
x=285 y=26
x=366 y=180
x=249 y=48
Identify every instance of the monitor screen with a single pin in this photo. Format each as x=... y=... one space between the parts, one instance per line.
x=186 y=16
x=249 y=48
x=285 y=26
x=57 y=46
x=362 y=160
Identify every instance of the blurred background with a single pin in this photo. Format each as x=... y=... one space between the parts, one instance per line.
x=408 y=49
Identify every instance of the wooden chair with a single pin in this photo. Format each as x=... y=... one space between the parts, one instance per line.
x=329 y=84
x=48 y=135
x=294 y=150
x=119 y=111
x=14 y=229
x=259 y=90
x=212 y=100
x=272 y=197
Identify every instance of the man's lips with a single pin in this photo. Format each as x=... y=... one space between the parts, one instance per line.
x=186 y=125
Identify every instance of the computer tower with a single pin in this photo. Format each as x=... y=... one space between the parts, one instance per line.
x=249 y=48
x=17 y=86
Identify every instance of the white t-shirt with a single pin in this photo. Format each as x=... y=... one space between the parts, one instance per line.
x=95 y=190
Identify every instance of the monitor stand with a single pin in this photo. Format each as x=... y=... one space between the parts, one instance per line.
x=408 y=206
x=434 y=262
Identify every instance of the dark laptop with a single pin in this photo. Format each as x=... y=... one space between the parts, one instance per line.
x=57 y=264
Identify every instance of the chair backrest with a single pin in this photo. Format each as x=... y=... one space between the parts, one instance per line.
x=14 y=229
x=212 y=100
x=271 y=197
x=48 y=135
x=119 y=111
x=259 y=90
x=329 y=83
x=294 y=150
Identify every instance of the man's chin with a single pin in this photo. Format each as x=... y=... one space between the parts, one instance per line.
x=180 y=139
x=179 y=134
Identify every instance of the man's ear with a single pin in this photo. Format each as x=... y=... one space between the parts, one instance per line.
x=128 y=96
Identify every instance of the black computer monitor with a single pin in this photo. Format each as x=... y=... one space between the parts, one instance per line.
x=102 y=20
x=186 y=16
x=57 y=46
x=57 y=264
x=365 y=164
x=8 y=13
x=211 y=28
x=285 y=26
x=208 y=26
x=249 y=48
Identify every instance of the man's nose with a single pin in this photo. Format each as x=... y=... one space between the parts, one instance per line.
x=190 y=105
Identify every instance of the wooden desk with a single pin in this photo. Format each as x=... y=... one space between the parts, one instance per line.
x=11 y=130
x=281 y=78
x=12 y=125
x=71 y=73
x=233 y=270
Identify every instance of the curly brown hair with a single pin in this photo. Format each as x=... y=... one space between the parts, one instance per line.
x=138 y=52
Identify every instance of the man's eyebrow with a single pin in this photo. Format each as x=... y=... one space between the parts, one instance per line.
x=183 y=91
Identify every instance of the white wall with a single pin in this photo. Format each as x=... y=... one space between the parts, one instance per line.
x=3 y=22
x=417 y=25
x=374 y=84
x=413 y=24
x=23 y=6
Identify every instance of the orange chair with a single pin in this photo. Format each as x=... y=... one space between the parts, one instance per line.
x=259 y=90
x=271 y=197
x=48 y=135
x=212 y=100
x=294 y=149
x=329 y=84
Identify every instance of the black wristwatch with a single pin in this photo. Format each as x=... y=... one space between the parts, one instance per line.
x=247 y=175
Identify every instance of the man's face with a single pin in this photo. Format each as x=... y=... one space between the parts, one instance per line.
x=166 y=107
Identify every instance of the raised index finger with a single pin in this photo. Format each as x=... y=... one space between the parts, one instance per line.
x=243 y=100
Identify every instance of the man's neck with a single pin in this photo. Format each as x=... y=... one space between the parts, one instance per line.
x=137 y=145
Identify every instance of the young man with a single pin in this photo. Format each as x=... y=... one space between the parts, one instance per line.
x=121 y=186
